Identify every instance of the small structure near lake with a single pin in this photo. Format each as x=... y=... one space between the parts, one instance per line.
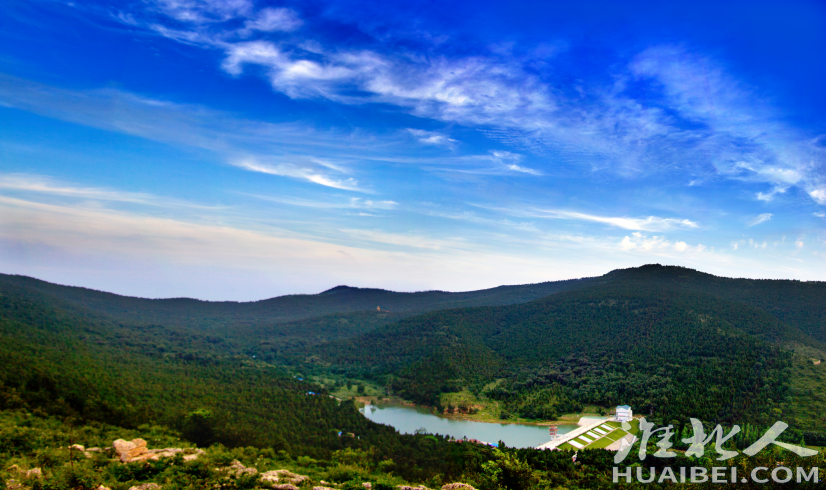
x=624 y=413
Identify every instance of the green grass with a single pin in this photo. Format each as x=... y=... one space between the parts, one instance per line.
x=606 y=440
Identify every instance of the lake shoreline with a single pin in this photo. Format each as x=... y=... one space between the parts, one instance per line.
x=407 y=418
x=569 y=419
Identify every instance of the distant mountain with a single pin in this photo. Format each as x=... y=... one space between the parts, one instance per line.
x=228 y=314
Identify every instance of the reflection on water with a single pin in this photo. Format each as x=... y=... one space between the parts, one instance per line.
x=408 y=420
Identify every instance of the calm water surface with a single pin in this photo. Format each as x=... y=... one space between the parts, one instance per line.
x=408 y=420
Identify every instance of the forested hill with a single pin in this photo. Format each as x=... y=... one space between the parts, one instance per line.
x=226 y=314
x=801 y=304
x=653 y=337
x=91 y=372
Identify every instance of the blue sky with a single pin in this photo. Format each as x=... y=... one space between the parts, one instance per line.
x=241 y=149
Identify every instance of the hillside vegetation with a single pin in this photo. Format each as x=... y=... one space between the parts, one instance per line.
x=671 y=342
x=639 y=337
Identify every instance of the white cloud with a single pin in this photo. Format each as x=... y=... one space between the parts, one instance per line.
x=746 y=137
x=639 y=242
x=474 y=90
x=743 y=139
x=651 y=223
x=432 y=137
x=525 y=170
x=735 y=134
x=820 y=215
x=760 y=219
x=352 y=203
x=357 y=202
x=202 y=11
x=305 y=152
x=274 y=19
x=510 y=162
x=299 y=172
x=769 y=196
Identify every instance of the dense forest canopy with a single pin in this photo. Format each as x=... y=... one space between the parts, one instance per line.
x=671 y=342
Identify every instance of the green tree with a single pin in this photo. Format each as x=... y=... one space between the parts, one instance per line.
x=199 y=427
x=507 y=472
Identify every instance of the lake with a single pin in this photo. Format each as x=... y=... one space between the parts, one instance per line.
x=408 y=420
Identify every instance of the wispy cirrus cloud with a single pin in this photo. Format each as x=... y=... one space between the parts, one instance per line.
x=495 y=162
x=244 y=143
x=302 y=172
x=274 y=19
x=432 y=137
x=696 y=117
x=762 y=218
x=742 y=135
x=41 y=184
x=204 y=11
x=351 y=203
x=650 y=223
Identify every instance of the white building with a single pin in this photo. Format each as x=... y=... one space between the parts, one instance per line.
x=624 y=413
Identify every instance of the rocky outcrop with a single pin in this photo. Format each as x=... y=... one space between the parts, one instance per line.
x=283 y=476
x=323 y=488
x=367 y=485
x=129 y=450
x=284 y=486
x=136 y=450
x=457 y=486
x=407 y=487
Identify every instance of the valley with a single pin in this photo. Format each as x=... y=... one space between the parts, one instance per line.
x=289 y=375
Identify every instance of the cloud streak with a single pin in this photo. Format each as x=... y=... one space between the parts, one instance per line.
x=28 y=183
x=762 y=218
x=301 y=172
x=650 y=223
x=695 y=118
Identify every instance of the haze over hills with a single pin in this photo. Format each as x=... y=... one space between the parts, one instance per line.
x=221 y=314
